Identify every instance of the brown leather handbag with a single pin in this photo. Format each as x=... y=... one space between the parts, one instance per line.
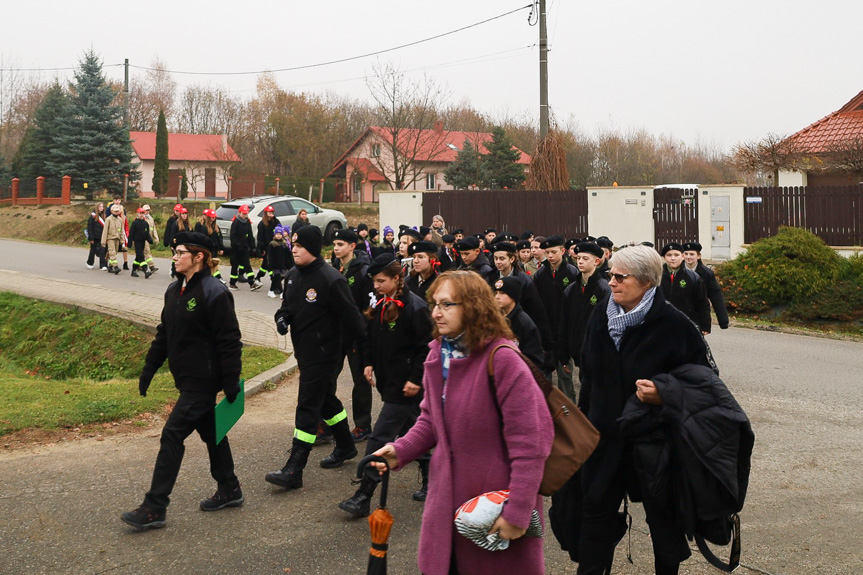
x=575 y=437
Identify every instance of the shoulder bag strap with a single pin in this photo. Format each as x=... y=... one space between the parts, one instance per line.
x=733 y=556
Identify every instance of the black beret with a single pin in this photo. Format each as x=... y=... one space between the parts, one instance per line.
x=362 y=227
x=511 y=286
x=458 y=231
x=526 y=235
x=503 y=247
x=422 y=247
x=467 y=244
x=571 y=242
x=671 y=246
x=551 y=242
x=692 y=247
x=380 y=262
x=509 y=236
x=424 y=231
x=590 y=248
x=196 y=239
x=409 y=232
x=648 y=244
x=589 y=238
x=448 y=238
x=490 y=231
x=346 y=235
x=604 y=242
x=523 y=245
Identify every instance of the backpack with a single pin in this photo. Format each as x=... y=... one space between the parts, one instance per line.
x=575 y=437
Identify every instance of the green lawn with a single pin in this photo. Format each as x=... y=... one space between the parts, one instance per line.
x=61 y=368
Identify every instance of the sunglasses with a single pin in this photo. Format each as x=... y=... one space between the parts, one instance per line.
x=618 y=277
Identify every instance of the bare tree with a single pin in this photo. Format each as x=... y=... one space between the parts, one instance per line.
x=845 y=155
x=767 y=156
x=408 y=112
x=155 y=91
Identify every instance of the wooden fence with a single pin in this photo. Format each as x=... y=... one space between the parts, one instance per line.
x=544 y=213
x=834 y=213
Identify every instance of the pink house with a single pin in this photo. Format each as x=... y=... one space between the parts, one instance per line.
x=367 y=167
x=206 y=159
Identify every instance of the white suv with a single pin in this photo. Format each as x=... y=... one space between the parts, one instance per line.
x=285 y=208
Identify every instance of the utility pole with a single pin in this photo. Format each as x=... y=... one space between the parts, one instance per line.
x=543 y=73
x=126 y=96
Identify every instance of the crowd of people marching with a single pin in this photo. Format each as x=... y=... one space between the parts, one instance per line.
x=417 y=312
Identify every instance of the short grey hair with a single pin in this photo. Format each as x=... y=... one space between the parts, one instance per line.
x=641 y=261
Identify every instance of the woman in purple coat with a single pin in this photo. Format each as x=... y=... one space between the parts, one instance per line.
x=474 y=451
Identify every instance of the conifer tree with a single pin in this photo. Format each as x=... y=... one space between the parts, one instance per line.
x=93 y=145
x=501 y=165
x=160 y=169
x=466 y=170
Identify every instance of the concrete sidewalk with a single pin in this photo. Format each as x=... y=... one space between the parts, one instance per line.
x=256 y=328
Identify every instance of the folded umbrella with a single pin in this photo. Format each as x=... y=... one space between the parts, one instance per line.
x=380 y=521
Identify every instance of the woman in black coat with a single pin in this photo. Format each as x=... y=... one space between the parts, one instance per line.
x=631 y=337
x=95 y=225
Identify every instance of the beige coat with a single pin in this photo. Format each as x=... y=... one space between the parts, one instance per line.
x=113 y=229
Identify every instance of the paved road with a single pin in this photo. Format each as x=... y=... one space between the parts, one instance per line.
x=60 y=503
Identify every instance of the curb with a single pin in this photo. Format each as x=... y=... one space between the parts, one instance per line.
x=256 y=384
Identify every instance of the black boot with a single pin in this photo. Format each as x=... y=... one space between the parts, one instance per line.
x=291 y=475
x=360 y=504
x=126 y=266
x=147 y=272
x=345 y=448
x=135 y=272
x=420 y=494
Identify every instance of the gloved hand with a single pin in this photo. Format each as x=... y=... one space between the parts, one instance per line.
x=282 y=326
x=231 y=396
x=144 y=384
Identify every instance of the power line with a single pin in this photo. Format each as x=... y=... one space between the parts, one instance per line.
x=341 y=60
x=51 y=69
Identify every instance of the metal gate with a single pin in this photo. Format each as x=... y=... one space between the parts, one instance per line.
x=675 y=215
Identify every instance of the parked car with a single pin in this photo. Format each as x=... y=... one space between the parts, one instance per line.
x=285 y=209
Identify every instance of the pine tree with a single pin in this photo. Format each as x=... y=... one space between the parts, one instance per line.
x=500 y=164
x=466 y=170
x=35 y=151
x=184 y=186
x=160 y=170
x=93 y=145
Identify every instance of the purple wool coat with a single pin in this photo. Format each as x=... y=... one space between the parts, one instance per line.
x=474 y=455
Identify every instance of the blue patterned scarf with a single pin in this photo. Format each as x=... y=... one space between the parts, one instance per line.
x=619 y=321
x=450 y=348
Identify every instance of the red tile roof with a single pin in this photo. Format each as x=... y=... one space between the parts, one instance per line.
x=368 y=170
x=185 y=147
x=842 y=125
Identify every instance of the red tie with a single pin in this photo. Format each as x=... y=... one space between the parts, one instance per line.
x=385 y=301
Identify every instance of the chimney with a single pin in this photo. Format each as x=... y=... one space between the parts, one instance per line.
x=438 y=127
x=224 y=144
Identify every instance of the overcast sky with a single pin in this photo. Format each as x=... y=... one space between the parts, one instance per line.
x=711 y=72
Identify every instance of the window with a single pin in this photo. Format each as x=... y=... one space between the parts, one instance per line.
x=376 y=150
x=430 y=181
x=298 y=205
x=281 y=209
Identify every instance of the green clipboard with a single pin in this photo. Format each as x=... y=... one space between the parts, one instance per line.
x=227 y=414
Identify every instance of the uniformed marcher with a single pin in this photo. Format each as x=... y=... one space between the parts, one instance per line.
x=154 y=234
x=200 y=337
x=318 y=306
x=353 y=264
x=579 y=301
x=113 y=234
x=139 y=236
x=683 y=288
x=507 y=293
x=266 y=231
x=447 y=255
x=524 y=256
x=424 y=269
x=692 y=256
x=607 y=249
x=242 y=244
x=551 y=280
x=471 y=257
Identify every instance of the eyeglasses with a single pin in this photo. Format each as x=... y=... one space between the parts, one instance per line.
x=618 y=277
x=180 y=252
x=444 y=305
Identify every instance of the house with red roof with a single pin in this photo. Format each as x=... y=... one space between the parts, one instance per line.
x=384 y=159
x=831 y=149
x=206 y=159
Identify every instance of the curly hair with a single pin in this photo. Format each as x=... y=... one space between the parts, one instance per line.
x=392 y=312
x=481 y=317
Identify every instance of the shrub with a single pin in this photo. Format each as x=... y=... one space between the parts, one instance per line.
x=841 y=302
x=783 y=269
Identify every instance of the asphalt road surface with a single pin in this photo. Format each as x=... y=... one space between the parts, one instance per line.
x=60 y=504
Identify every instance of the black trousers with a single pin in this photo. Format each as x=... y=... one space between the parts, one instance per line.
x=96 y=250
x=394 y=420
x=140 y=260
x=193 y=412
x=601 y=525
x=361 y=394
x=317 y=400
x=241 y=267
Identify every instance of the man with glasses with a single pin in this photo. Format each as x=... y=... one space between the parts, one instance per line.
x=579 y=301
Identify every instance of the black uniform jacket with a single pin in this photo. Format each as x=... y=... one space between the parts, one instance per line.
x=421 y=289
x=170 y=230
x=698 y=444
x=714 y=293
x=531 y=304
x=449 y=258
x=199 y=335
x=480 y=265
x=318 y=306
x=686 y=292
x=526 y=335
x=551 y=284
x=242 y=238
x=216 y=236
x=139 y=231
x=665 y=340
x=578 y=303
x=266 y=233
x=397 y=350
x=358 y=279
